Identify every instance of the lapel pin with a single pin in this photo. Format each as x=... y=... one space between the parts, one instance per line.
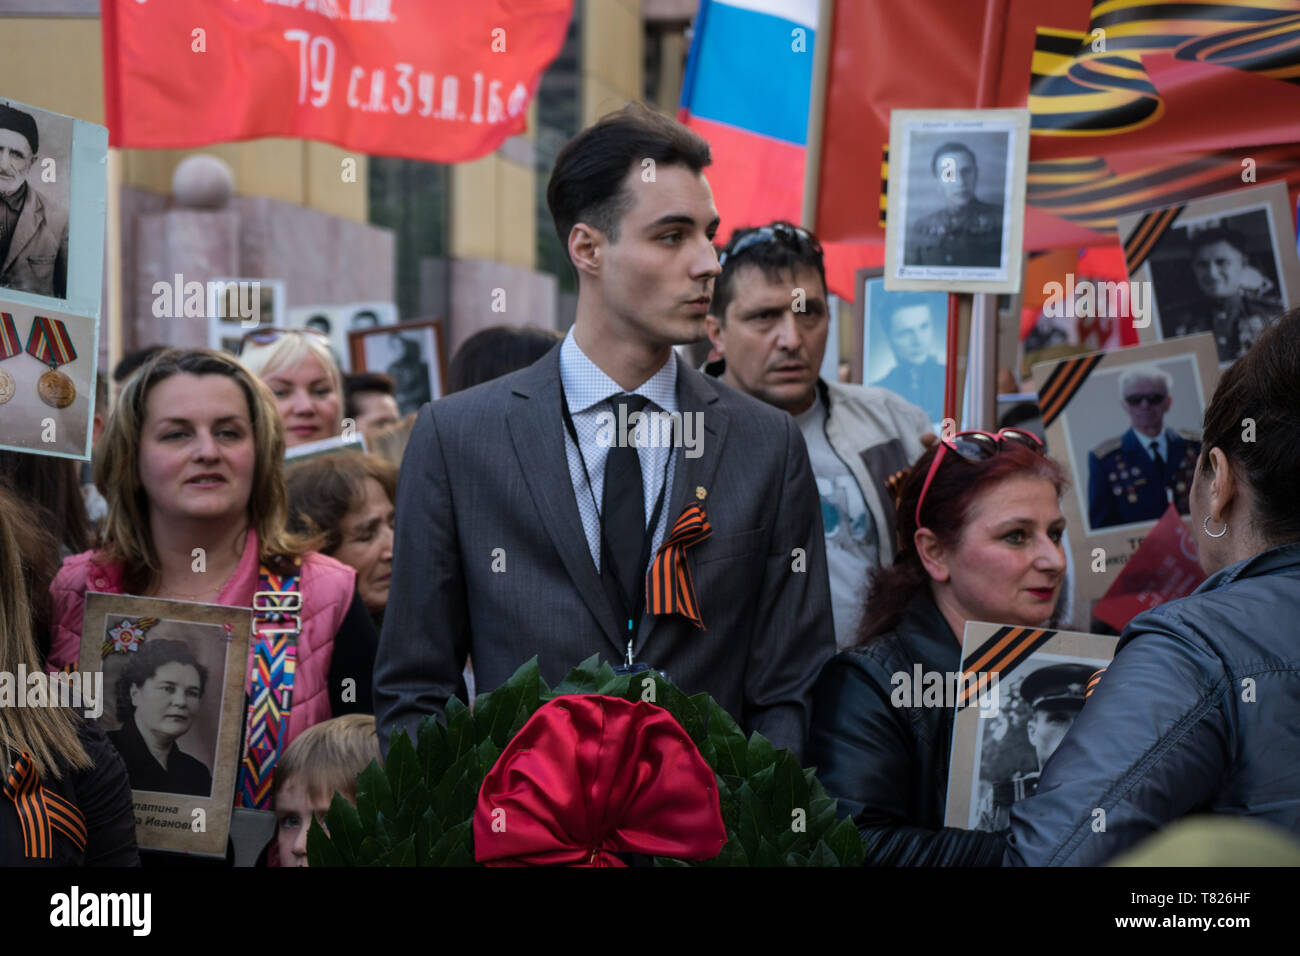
x=700 y=493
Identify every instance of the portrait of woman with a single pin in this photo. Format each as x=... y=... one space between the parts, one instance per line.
x=159 y=695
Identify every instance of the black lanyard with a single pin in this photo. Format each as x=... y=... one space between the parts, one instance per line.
x=631 y=606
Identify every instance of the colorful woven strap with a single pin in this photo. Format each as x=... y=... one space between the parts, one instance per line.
x=49 y=342
x=276 y=623
x=10 y=344
x=668 y=585
x=41 y=811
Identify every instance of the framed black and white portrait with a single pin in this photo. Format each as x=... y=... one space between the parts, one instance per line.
x=1028 y=686
x=1224 y=264
x=173 y=675
x=237 y=306
x=1127 y=424
x=53 y=185
x=956 y=200
x=411 y=353
x=336 y=321
x=903 y=342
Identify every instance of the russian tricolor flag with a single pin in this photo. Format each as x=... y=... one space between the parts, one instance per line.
x=746 y=91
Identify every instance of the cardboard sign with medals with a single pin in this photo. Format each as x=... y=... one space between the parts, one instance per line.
x=1127 y=425
x=52 y=200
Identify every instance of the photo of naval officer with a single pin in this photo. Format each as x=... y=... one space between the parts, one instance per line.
x=965 y=231
x=33 y=222
x=1134 y=476
x=1055 y=695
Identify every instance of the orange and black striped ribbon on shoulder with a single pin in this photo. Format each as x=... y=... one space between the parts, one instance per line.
x=668 y=585
x=1063 y=382
x=1000 y=654
x=1093 y=681
x=41 y=811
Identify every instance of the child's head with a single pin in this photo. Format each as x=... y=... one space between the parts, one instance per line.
x=323 y=759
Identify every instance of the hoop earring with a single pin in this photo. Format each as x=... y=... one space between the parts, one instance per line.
x=1205 y=526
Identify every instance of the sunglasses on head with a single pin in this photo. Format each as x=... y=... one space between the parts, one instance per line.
x=1151 y=398
x=267 y=336
x=976 y=446
x=793 y=236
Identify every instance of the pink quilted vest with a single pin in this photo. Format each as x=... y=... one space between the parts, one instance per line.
x=327 y=587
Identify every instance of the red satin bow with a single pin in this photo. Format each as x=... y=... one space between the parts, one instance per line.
x=589 y=776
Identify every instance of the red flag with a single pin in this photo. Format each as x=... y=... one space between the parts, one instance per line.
x=443 y=82
x=1163 y=567
x=1133 y=104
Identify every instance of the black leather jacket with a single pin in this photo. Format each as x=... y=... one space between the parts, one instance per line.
x=1198 y=713
x=888 y=765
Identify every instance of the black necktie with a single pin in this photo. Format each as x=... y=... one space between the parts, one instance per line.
x=623 y=506
x=1160 y=463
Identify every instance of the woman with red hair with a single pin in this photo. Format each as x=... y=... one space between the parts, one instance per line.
x=980 y=530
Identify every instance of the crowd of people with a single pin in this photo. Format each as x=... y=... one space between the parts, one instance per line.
x=846 y=544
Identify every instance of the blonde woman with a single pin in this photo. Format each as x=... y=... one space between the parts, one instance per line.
x=298 y=367
x=51 y=756
x=190 y=464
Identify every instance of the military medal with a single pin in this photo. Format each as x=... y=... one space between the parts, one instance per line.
x=10 y=345
x=49 y=343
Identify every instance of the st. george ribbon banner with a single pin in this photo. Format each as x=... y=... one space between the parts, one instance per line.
x=442 y=82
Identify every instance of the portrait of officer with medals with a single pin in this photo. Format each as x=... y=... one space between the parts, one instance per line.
x=1135 y=476
x=966 y=231
x=1237 y=300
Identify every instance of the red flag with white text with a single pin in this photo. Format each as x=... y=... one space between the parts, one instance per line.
x=442 y=82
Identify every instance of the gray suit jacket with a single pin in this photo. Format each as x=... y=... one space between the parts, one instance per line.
x=486 y=470
x=37 y=260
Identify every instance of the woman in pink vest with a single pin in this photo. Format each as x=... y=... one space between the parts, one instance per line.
x=190 y=464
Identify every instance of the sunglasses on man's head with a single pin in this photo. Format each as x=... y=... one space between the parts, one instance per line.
x=976 y=446
x=793 y=236
x=1151 y=398
x=267 y=336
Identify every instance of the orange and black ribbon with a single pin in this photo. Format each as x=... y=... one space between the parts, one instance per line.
x=41 y=811
x=1146 y=236
x=10 y=344
x=1063 y=383
x=49 y=342
x=668 y=585
x=1001 y=653
x=1093 y=681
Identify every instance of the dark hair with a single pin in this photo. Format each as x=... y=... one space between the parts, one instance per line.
x=364 y=382
x=1220 y=234
x=497 y=351
x=950 y=147
x=953 y=492
x=1263 y=386
x=587 y=181
x=323 y=490
x=144 y=663
x=782 y=254
x=133 y=360
x=54 y=486
x=904 y=300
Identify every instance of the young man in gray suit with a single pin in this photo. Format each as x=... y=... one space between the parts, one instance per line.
x=537 y=515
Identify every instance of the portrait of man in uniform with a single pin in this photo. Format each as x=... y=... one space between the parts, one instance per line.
x=966 y=231
x=1236 y=300
x=1055 y=695
x=909 y=327
x=1135 y=476
x=33 y=225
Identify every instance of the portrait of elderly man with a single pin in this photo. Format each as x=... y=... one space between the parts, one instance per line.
x=1236 y=300
x=1134 y=477
x=33 y=229
x=917 y=375
x=966 y=232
